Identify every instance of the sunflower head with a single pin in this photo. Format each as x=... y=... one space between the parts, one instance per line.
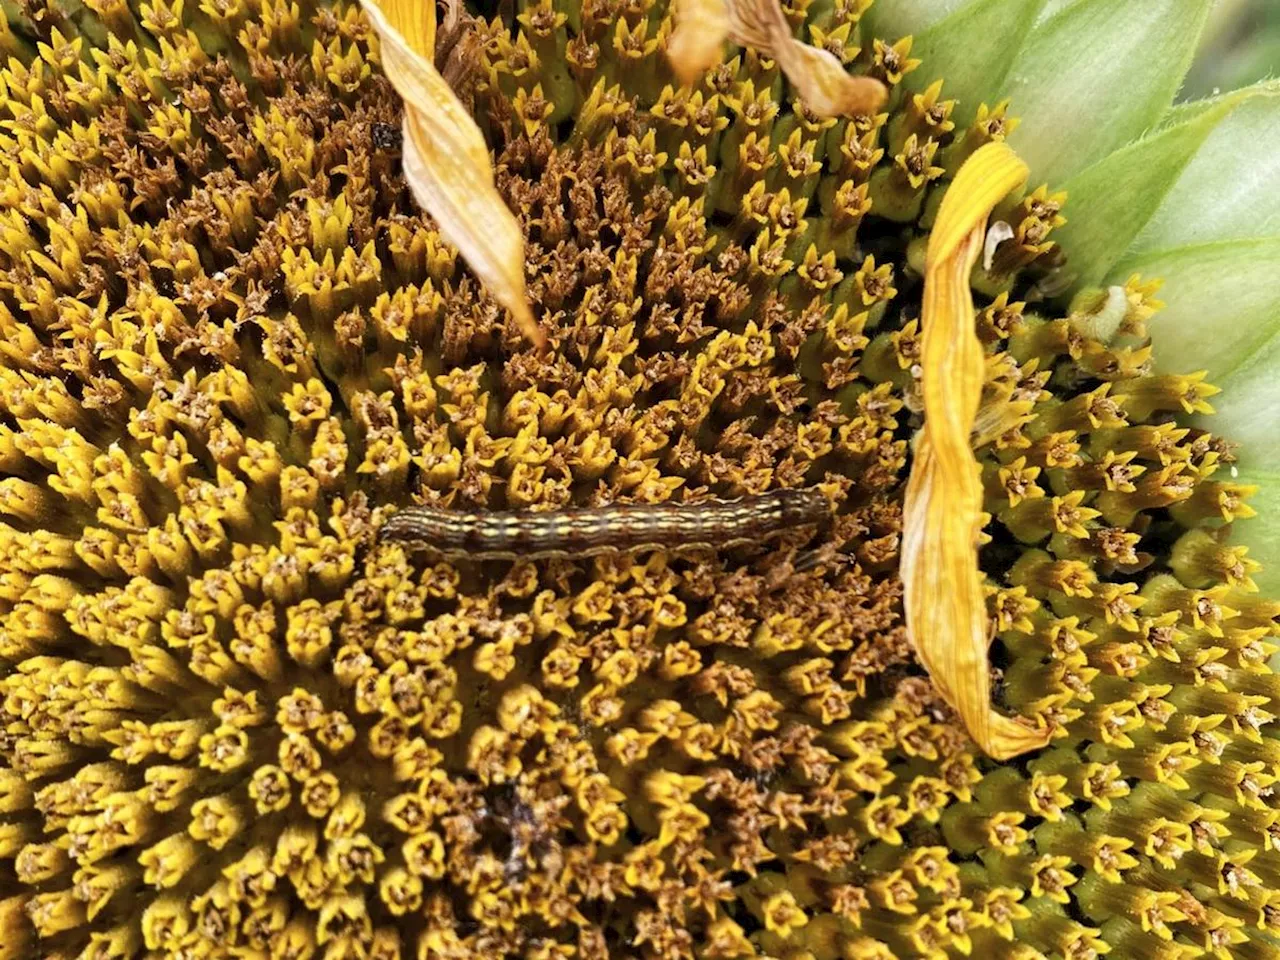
x=271 y=270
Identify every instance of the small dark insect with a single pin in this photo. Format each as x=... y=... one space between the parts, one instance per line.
x=586 y=531
x=386 y=137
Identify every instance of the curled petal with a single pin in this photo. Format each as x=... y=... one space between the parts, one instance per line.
x=826 y=89
x=695 y=45
x=823 y=85
x=943 y=595
x=446 y=160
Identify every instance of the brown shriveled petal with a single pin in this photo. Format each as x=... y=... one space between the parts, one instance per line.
x=446 y=160
x=702 y=26
x=943 y=596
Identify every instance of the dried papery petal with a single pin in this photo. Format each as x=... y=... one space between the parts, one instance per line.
x=823 y=85
x=702 y=26
x=943 y=596
x=446 y=160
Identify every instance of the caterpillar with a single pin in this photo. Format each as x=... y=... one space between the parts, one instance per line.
x=587 y=531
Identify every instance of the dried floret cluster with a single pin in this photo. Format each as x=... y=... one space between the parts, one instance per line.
x=233 y=725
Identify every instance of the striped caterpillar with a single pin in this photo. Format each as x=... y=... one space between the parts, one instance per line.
x=586 y=531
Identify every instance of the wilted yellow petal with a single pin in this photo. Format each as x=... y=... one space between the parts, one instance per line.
x=703 y=25
x=945 y=607
x=446 y=160
x=695 y=45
